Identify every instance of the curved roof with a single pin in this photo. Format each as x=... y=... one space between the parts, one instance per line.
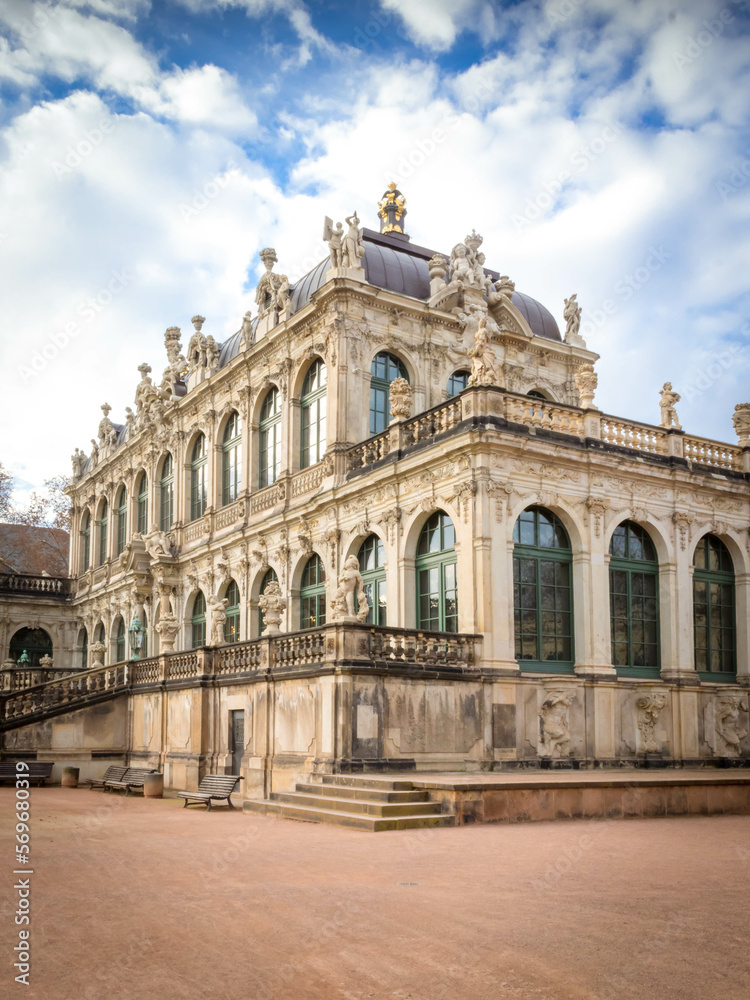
x=407 y=273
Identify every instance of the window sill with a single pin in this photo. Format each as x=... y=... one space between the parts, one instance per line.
x=548 y=667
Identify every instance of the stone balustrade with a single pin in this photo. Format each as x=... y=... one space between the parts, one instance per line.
x=705 y=452
x=540 y=414
x=41 y=586
x=327 y=647
x=630 y=434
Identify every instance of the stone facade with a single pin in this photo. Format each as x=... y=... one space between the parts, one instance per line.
x=348 y=695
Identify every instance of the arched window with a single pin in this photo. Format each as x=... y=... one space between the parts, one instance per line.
x=268 y=577
x=313 y=594
x=231 y=459
x=634 y=598
x=122 y=520
x=458 y=382
x=437 y=600
x=120 y=641
x=103 y=532
x=35 y=642
x=144 y=641
x=713 y=608
x=198 y=621
x=86 y=540
x=198 y=464
x=536 y=394
x=542 y=596
x=313 y=405
x=372 y=567
x=166 y=494
x=83 y=647
x=142 y=504
x=99 y=633
x=270 y=439
x=385 y=367
x=232 y=625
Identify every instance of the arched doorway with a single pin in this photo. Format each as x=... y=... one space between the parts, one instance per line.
x=35 y=642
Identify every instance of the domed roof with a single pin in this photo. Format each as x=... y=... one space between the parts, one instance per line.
x=393 y=263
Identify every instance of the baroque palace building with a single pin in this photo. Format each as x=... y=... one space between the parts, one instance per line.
x=385 y=526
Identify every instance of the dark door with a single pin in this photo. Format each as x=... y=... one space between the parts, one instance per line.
x=237 y=739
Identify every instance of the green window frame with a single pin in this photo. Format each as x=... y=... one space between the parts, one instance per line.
x=714 y=626
x=542 y=592
x=634 y=601
x=86 y=536
x=144 y=641
x=35 y=642
x=122 y=520
x=312 y=595
x=384 y=369
x=99 y=633
x=142 y=504
x=437 y=591
x=198 y=621
x=232 y=624
x=458 y=381
x=166 y=494
x=231 y=459
x=84 y=646
x=198 y=469
x=268 y=577
x=313 y=414
x=269 y=466
x=371 y=557
x=103 y=531
x=120 y=641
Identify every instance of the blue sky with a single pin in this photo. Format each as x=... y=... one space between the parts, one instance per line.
x=148 y=151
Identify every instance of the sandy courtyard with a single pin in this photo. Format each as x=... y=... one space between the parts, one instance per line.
x=145 y=900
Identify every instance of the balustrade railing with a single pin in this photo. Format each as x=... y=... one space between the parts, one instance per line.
x=371 y=450
x=300 y=648
x=182 y=666
x=704 y=452
x=238 y=658
x=267 y=497
x=541 y=414
x=52 y=586
x=429 y=649
x=629 y=434
x=307 y=480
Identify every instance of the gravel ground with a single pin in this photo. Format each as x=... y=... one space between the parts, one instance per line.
x=145 y=900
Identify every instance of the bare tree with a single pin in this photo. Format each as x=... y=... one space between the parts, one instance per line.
x=47 y=508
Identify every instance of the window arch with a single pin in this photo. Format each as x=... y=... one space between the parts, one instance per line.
x=166 y=494
x=270 y=439
x=231 y=459
x=120 y=640
x=198 y=621
x=122 y=520
x=313 y=594
x=103 y=531
x=634 y=599
x=141 y=505
x=437 y=599
x=713 y=608
x=99 y=633
x=83 y=647
x=198 y=466
x=542 y=593
x=536 y=394
x=372 y=567
x=144 y=641
x=268 y=577
x=232 y=624
x=86 y=541
x=458 y=381
x=35 y=642
x=385 y=368
x=313 y=405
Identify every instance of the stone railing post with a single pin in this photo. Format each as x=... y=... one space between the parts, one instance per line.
x=675 y=447
x=592 y=423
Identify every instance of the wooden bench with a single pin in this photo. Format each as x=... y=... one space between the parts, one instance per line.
x=213 y=786
x=133 y=778
x=115 y=772
x=38 y=771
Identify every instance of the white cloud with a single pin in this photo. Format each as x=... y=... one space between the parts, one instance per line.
x=436 y=24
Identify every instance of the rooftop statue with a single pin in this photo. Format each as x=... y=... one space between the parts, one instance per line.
x=392 y=210
x=667 y=407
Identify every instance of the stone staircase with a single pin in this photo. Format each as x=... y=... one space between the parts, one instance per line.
x=361 y=803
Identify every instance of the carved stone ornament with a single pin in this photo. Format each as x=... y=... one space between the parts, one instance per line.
x=97 y=651
x=667 y=407
x=572 y=316
x=728 y=731
x=554 y=724
x=343 y=603
x=741 y=421
x=167 y=628
x=586 y=381
x=483 y=369
x=272 y=605
x=400 y=399
x=650 y=707
x=218 y=608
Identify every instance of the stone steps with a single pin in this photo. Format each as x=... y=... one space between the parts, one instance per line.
x=374 y=805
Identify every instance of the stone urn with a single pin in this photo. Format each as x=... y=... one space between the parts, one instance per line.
x=70 y=777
